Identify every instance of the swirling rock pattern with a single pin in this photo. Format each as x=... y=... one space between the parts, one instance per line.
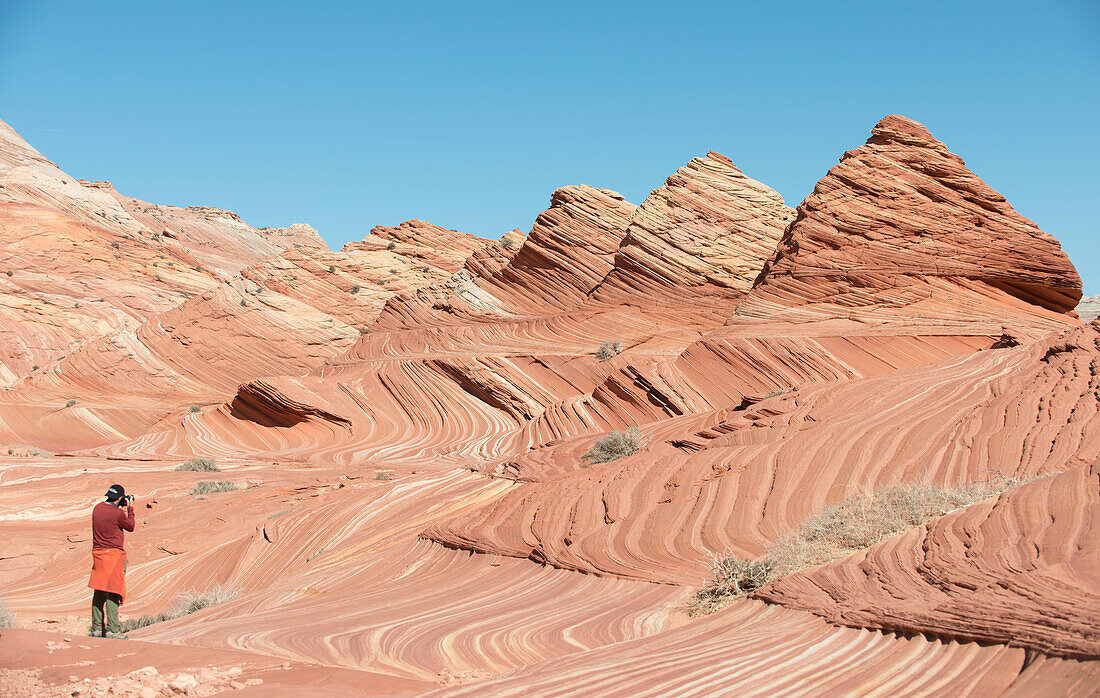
x=750 y=474
x=753 y=650
x=1020 y=570
x=406 y=420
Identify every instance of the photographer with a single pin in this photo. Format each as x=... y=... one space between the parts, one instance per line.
x=110 y=519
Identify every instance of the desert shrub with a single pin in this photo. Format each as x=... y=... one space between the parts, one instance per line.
x=155 y=236
x=9 y=272
x=34 y=368
x=114 y=245
x=210 y=487
x=7 y=618
x=185 y=602
x=243 y=303
x=200 y=465
x=70 y=403
x=615 y=445
x=839 y=530
x=331 y=269
x=391 y=245
x=609 y=349
x=507 y=243
x=354 y=289
x=25 y=451
x=383 y=477
x=195 y=408
x=393 y=271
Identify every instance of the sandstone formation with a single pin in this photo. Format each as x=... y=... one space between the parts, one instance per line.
x=755 y=650
x=901 y=226
x=81 y=261
x=1089 y=308
x=403 y=425
x=1020 y=570
x=706 y=232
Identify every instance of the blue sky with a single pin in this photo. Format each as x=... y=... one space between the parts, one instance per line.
x=350 y=115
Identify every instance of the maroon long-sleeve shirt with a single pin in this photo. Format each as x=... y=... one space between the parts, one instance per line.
x=108 y=524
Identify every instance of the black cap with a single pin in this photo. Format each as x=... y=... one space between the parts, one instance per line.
x=115 y=492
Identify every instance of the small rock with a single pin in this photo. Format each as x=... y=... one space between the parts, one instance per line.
x=253 y=682
x=183 y=683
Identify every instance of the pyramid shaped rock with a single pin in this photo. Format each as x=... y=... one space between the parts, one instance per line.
x=903 y=207
x=570 y=250
x=709 y=227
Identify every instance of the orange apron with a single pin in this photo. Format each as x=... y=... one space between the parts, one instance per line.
x=109 y=571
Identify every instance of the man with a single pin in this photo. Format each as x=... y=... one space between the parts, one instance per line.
x=110 y=519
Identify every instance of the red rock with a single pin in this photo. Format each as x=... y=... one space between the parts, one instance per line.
x=1016 y=570
x=900 y=225
x=706 y=233
x=910 y=327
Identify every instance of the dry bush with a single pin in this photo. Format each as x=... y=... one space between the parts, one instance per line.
x=209 y=487
x=7 y=618
x=838 y=530
x=615 y=445
x=185 y=602
x=608 y=350
x=25 y=451
x=200 y=465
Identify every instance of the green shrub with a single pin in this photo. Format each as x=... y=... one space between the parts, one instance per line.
x=615 y=445
x=392 y=245
x=354 y=289
x=195 y=408
x=70 y=403
x=200 y=465
x=9 y=272
x=383 y=477
x=507 y=243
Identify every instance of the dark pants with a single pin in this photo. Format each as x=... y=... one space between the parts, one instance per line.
x=101 y=599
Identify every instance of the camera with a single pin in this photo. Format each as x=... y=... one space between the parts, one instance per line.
x=127 y=501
